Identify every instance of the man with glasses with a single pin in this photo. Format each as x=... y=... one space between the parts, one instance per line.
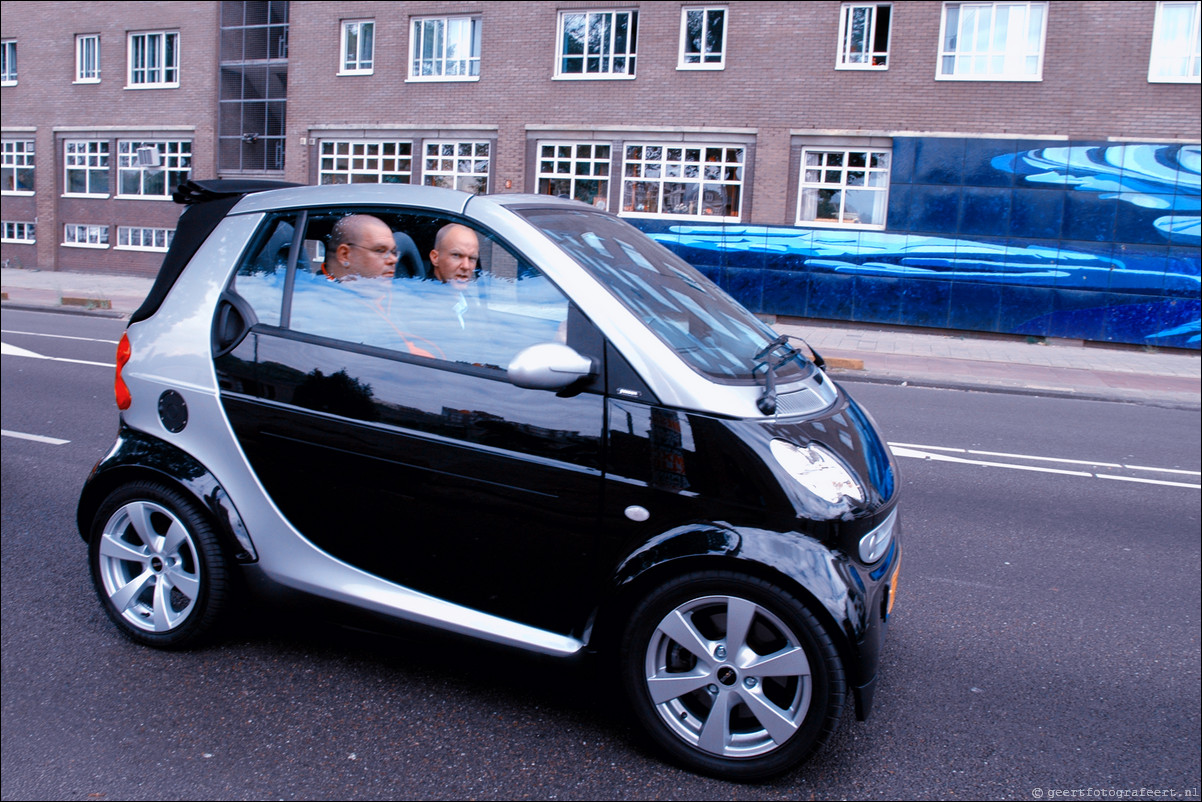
x=360 y=246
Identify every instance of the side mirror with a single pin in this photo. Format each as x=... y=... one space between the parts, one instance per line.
x=549 y=366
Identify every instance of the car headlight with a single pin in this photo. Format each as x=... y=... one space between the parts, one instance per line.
x=818 y=470
x=874 y=544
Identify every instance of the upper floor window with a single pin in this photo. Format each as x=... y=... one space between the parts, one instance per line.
x=87 y=58
x=457 y=165
x=87 y=166
x=703 y=181
x=844 y=187
x=154 y=59
x=1176 y=43
x=445 y=49
x=597 y=44
x=8 y=62
x=992 y=41
x=864 y=36
x=16 y=166
x=577 y=170
x=152 y=169
x=365 y=162
x=702 y=39
x=358 y=47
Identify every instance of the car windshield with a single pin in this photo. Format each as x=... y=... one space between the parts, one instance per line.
x=712 y=333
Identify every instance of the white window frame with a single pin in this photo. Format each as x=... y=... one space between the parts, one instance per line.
x=136 y=238
x=439 y=53
x=668 y=168
x=174 y=159
x=357 y=63
x=704 y=60
x=157 y=66
x=8 y=62
x=15 y=155
x=90 y=156
x=1176 y=49
x=456 y=163
x=839 y=177
x=611 y=66
x=1019 y=58
x=85 y=235
x=19 y=232
x=365 y=161
x=570 y=161
x=87 y=58
x=866 y=57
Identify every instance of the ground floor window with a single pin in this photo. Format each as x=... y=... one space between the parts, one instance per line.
x=685 y=180
x=86 y=236
x=135 y=238
x=844 y=187
x=457 y=165
x=13 y=231
x=577 y=170
x=366 y=162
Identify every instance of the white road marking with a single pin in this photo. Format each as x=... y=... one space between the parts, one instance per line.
x=12 y=350
x=37 y=438
x=57 y=336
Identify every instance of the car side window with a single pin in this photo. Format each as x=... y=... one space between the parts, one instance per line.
x=464 y=297
x=260 y=278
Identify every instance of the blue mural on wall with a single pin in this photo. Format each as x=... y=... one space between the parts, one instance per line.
x=1096 y=241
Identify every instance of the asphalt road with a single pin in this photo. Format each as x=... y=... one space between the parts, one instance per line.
x=1045 y=638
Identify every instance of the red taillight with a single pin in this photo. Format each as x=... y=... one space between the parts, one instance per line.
x=119 y=389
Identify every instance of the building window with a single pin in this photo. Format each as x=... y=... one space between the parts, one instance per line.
x=702 y=39
x=703 y=181
x=457 y=165
x=362 y=162
x=152 y=169
x=85 y=236
x=8 y=62
x=87 y=166
x=864 y=36
x=16 y=166
x=253 y=100
x=23 y=233
x=358 y=45
x=1176 y=44
x=597 y=44
x=843 y=187
x=154 y=60
x=133 y=238
x=445 y=49
x=992 y=41
x=577 y=170
x=87 y=58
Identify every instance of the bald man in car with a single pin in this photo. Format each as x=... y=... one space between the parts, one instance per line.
x=360 y=246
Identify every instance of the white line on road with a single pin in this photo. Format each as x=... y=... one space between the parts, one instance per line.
x=37 y=438
x=57 y=336
x=12 y=350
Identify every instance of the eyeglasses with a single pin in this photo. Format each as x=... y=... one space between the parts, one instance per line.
x=380 y=251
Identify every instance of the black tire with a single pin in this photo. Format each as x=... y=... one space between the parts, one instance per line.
x=727 y=643
x=157 y=566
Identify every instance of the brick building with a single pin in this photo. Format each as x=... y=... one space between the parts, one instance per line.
x=1019 y=167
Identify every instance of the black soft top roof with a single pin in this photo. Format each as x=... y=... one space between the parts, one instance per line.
x=207 y=203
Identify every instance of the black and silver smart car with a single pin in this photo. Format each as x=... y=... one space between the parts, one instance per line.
x=578 y=444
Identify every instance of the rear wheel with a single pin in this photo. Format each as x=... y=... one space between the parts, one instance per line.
x=157 y=566
x=732 y=675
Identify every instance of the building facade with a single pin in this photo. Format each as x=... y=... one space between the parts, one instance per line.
x=1015 y=167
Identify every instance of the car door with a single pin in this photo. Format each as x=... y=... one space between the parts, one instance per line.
x=386 y=431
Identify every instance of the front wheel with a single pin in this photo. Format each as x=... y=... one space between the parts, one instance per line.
x=732 y=675
x=157 y=566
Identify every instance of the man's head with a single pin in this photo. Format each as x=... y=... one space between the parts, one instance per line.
x=456 y=254
x=361 y=246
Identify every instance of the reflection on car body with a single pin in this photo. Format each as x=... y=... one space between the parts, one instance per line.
x=586 y=447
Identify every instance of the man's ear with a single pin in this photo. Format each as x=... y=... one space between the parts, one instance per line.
x=343 y=253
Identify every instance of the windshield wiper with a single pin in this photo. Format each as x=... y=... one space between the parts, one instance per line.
x=770 y=361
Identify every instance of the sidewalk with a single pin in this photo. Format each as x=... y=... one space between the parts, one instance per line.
x=915 y=357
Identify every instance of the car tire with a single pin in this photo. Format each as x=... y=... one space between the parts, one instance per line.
x=157 y=566
x=731 y=675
